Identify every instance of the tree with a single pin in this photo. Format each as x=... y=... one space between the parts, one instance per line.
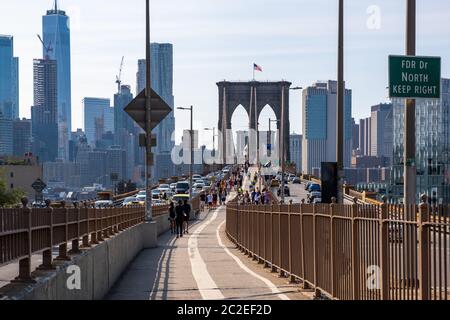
x=9 y=198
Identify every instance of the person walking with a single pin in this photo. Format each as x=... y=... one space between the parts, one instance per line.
x=172 y=217
x=186 y=214
x=179 y=218
x=257 y=197
x=202 y=201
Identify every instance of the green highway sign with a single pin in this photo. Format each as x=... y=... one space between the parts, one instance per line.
x=414 y=77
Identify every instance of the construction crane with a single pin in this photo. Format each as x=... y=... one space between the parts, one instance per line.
x=47 y=48
x=119 y=77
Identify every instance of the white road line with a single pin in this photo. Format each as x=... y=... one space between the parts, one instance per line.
x=207 y=287
x=268 y=283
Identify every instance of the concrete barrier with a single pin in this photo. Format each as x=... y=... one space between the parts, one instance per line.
x=95 y=269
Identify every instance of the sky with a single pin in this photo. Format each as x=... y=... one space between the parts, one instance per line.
x=294 y=40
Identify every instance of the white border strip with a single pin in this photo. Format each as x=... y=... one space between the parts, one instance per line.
x=268 y=283
x=206 y=286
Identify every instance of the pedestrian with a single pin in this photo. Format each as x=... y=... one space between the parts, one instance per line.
x=202 y=201
x=214 y=199
x=186 y=214
x=210 y=200
x=172 y=217
x=257 y=197
x=179 y=218
x=224 y=197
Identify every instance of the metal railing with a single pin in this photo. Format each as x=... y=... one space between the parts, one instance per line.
x=28 y=231
x=356 y=251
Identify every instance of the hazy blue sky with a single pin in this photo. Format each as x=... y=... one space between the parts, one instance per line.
x=213 y=40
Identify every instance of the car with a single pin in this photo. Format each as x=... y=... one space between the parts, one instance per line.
x=196 y=177
x=131 y=201
x=141 y=197
x=207 y=182
x=182 y=187
x=142 y=192
x=164 y=187
x=155 y=194
x=296 y=180
x=103 y=204
x=179 y=197
x=314 y=187
x=173 y=186
x=307 y=185
x=275 y=183
x=198 y=186
x=314 y=195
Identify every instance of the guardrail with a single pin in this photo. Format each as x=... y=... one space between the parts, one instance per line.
x=368 y=252
x=28 y=231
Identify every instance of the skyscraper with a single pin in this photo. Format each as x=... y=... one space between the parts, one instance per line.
x=355 y=135
x=9 y=78
x=319 y=125
x=365 y=141
x=6 y=139
x=45 y=110
x=55 y=27
x=432 y=147
x=96 y=115
x=381 y=130
x=295 y=141
x=21 y=137
x=123 y=124
x=162 y=83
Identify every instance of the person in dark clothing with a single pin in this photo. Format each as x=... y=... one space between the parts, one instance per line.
x=172 y=216
x=179 y=218
x=186 y=212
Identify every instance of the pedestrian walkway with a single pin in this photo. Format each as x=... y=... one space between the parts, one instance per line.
x=201 y=265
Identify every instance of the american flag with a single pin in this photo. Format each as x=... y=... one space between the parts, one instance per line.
x=256 y=67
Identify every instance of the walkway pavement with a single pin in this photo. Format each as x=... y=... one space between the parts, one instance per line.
x=201 y=265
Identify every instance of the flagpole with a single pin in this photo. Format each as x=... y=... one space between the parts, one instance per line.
x=253 y=72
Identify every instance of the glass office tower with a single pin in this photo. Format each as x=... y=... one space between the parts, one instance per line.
x=56 y=32
x=432 y=147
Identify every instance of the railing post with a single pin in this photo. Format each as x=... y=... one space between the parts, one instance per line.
x=384 y=250
x=316 y=291
x=25 y=263
x=291 y=276
x=99 y=223
x=62 y=255
x=424 y=249
x=76 y=242
x=85 y=240
x=305 y=284
x=281 y=272
x=266 y=260
x=273 y=269
x=355 y=267
x=255 y=246
x=332 y=247
x=47 y=254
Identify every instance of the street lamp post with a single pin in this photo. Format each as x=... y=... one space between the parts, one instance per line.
x=410 y=113
x=340 y=105
x=191 y=134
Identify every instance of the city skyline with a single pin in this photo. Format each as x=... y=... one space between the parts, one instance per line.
x=214 y=50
